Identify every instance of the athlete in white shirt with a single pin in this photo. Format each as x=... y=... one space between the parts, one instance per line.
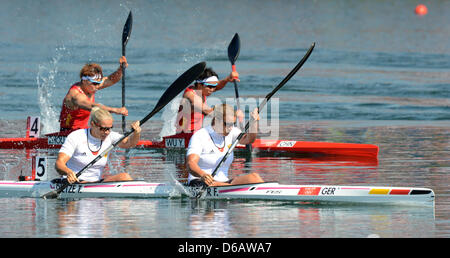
x=83 y=145
x=209 y=145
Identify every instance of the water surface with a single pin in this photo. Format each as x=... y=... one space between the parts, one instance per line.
x=378 y=75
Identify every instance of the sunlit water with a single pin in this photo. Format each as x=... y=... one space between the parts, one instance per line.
x=417 y=163
x=371 y=79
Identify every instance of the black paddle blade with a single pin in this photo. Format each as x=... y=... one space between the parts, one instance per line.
x=176 y=87
x=50 y=195
x=263 y=103
x=234 y=48
x=127 y=29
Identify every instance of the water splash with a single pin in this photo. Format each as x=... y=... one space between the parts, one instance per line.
x=46 y=89
x=12 y=166
x=178 y=187
x=170 y=112
x=169 y=116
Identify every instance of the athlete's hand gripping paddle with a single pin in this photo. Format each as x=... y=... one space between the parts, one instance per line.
x=260 y=107
x=174 y=89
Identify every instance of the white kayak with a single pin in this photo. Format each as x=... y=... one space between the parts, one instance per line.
x=260 y=191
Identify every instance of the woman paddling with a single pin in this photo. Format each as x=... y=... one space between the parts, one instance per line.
x=83 y=145
x=80 y=98
x=193 y=106
x=209 y=145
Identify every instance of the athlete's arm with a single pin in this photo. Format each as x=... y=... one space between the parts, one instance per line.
x=195 y=170
x=82 y=101
x=250 y=136
x=234 y=76
x=62 y=169
x=115 y=76
x=132 y=140
x=197 y=103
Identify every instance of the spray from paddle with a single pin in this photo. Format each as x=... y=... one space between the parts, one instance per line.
x=171 y=92
x=177 y=185
x=46 y=82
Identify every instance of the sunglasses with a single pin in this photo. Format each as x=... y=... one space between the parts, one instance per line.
x=94 y=81
x=210 y=85
x=103 y=129
x=228 y=125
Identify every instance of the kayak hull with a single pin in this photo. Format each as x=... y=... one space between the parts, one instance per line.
x=261 y=191
x=180 y=142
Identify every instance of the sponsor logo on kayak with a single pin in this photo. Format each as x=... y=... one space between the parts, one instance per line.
x=287 y=144
x=309 y=191
x=317 y=191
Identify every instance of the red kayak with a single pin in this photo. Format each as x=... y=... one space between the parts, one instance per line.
x=181 y=141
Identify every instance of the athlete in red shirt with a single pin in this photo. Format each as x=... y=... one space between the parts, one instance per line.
x=78 y=102
x=193 y=106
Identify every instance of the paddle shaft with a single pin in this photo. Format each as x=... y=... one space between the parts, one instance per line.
x=123 y=91
x=263 y=103
x=59 y=190
x=233 y=67
x=236 y=92
x=260 y=107
x=145 y=119
x=177 y=86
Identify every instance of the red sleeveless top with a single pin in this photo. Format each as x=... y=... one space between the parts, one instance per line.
x=189 y=122
x=69 y=119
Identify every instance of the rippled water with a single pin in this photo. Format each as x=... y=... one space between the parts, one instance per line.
x=419 y=160
x=378 y=79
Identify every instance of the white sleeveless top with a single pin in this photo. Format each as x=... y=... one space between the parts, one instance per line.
x=79 y=145
x=206 y=143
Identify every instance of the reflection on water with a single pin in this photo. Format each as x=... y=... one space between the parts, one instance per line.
x=420 y=159
x=369 y=80
x=209 y=219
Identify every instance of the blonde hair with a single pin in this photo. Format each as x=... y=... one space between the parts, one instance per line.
x=221 y=111
x=99 y=114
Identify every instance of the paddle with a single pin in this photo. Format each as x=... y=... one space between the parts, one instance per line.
x=261 y=105
x=233 y=53
x=125 y=37
x=174 y=89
